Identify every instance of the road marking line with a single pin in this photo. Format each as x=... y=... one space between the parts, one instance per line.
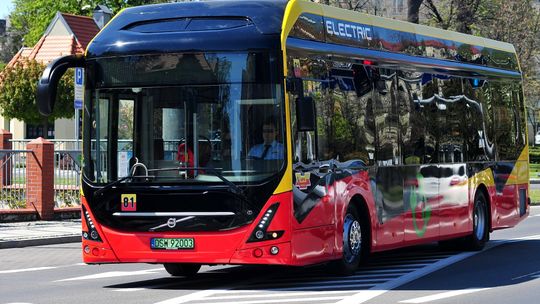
x=444 y=295
x=25 y=270
x=112 y=274
x=129 y=289
x=281 y=300
x=378 y=290
x=407 y=275
x=278 y=294
x=192 y=296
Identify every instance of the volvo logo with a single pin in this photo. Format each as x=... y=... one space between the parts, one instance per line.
x=171 y=223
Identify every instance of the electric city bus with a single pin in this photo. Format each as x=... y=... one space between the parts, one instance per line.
x=382 y=134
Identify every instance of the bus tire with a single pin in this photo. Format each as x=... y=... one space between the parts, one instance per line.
x=356 y=240
x=480 y=234
x=182 y=269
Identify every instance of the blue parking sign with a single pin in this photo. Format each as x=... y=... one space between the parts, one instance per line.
x=79 y=92
x=79 y=74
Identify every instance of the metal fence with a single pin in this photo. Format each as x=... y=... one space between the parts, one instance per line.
x=59 y=144
x=13 y=186
x=67 y=178
x=67 y=170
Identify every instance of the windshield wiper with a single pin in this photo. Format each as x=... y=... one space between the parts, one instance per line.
x=118 y=181
x=232 y=186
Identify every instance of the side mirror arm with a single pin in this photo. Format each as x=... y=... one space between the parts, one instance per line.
x=48 y=83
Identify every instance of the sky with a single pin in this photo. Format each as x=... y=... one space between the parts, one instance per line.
x=5 y=7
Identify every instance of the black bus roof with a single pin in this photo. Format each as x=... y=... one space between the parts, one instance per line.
x=240 y=25
x=159 y=28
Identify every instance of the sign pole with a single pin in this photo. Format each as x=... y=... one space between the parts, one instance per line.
x=78 y=100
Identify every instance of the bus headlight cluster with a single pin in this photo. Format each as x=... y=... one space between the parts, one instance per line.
x=260 y=232
x=92 y=234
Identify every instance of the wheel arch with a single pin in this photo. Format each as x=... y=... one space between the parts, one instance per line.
x=361 y=206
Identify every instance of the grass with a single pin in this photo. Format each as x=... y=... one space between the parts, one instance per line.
x=534 y=170
x=535 y=196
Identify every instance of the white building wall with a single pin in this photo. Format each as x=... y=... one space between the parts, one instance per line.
x=64 y=129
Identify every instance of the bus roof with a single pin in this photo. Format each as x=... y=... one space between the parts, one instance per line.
x=259 y=24
x=172 y=27
x=312 y=21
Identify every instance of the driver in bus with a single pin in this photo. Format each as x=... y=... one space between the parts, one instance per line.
x=270 y=149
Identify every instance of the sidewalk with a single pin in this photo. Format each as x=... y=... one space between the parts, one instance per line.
x=22 y=234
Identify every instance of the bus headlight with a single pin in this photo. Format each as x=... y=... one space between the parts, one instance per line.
x=260 y=233
x=92 y=234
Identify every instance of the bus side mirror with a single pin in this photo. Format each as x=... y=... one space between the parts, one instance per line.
x=305 y=114
x=47 y=85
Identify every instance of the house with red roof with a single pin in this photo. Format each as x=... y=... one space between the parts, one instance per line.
x=66 y=34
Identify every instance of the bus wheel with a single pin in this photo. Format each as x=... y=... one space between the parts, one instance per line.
x=182 y=270
x=480 y=234
x=355 y=242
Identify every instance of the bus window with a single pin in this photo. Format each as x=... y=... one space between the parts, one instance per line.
x=386 y=117
x=505 y=121
x=451 y=109
x=429 y=111
x=354 y=118
x=312 y=146
x=125 y=135
x=411 y=121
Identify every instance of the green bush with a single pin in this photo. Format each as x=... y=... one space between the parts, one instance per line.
x=534 y=155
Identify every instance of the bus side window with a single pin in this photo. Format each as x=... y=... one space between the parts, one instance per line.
x=411 y=124
x=386 y=118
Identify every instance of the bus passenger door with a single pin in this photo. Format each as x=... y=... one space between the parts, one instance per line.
x=314 y=192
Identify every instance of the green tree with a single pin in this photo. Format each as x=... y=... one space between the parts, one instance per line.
x=18 y=94
x=31 y=17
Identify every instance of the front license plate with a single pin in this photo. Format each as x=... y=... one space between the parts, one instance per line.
x=176 y=243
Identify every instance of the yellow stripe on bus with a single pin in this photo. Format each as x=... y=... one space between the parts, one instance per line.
x=520 y=172
x=483 y=177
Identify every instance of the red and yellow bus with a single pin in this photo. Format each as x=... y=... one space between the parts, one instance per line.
x=291 y=133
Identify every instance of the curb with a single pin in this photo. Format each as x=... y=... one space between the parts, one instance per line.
x=41 y=241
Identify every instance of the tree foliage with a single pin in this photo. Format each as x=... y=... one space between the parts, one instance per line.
x=18 y=94
x=513 y=21
x=31 y=17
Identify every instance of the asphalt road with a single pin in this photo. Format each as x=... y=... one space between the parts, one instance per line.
x=508 y=267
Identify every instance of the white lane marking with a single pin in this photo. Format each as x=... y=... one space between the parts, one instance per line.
x=25 y=270
x=278 y=294
x=407 y=275
x=192 y=296
x=112 y=274
x=378 y=290
x=444 y=295
x=130 y=289
x=282 y=300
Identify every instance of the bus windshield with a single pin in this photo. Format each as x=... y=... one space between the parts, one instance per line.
x=176 y=115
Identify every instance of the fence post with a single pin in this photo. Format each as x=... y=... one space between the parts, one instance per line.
x=40 y=177
x=6 y=169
